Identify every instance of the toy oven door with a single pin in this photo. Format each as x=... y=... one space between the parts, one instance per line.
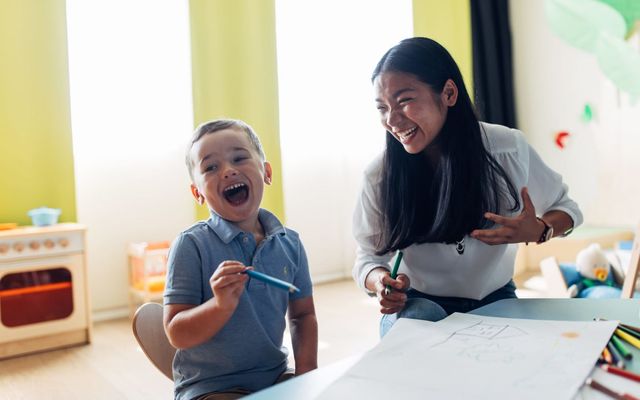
x=43 y=304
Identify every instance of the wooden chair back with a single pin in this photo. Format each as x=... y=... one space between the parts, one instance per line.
x=631 y=277
x=149 y=332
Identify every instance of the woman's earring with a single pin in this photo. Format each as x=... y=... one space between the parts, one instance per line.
x=449 y=93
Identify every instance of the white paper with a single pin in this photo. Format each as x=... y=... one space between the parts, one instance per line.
x=475 y=357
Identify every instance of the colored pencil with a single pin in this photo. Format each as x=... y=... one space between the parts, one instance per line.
x=631 y=328
x=609 y=392
x=615 y=356
x=629 y=331
x=621 y=372
x=394 y=272
x=622 y=349
x=628 y=338
x=607 y=356
x=271 y=280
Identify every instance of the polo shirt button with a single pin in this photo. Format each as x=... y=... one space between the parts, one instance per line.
x=245 y=239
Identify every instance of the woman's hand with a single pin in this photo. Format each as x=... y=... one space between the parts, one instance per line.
x=390 y=301
x=227 y=284
x=523 y=228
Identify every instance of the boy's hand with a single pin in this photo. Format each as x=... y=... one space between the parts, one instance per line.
x=227 y=284
x=189 y=325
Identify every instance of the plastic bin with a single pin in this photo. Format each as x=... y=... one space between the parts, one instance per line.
x=147 y=271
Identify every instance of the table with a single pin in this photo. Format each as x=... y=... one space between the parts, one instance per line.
x=626 y=311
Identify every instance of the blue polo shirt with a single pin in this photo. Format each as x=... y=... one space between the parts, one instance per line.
x=247 y=352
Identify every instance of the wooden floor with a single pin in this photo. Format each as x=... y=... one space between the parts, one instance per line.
x=113 y=367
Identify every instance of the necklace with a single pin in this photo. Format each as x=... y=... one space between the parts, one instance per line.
x=460 y=245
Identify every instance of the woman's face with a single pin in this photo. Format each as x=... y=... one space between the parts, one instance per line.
x=411 y=110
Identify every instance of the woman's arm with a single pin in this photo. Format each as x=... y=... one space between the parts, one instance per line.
x=366 y=230
x=544 y=195
x=526 y=227
x=303 y=326
x=560 y=221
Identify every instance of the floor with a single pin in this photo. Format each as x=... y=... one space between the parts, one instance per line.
x=113 y=367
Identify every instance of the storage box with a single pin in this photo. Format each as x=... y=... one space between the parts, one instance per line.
x=147 y=271
x=566 y=249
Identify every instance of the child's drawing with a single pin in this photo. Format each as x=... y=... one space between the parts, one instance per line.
x=477 y=357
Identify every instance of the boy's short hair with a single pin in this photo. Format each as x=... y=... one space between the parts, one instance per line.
x=219 y=125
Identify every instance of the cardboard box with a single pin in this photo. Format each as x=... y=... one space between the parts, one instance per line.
x=565 y=249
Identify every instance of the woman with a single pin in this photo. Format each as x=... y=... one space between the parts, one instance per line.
x=452 y=193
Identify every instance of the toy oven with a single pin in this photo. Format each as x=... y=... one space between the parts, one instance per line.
x=43 y=289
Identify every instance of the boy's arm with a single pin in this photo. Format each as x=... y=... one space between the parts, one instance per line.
x=304 y=334
x=188 y=325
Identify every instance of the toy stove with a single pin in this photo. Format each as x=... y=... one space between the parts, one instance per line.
x=44 y=302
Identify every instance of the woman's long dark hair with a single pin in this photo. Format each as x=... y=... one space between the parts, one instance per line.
x=443 y=202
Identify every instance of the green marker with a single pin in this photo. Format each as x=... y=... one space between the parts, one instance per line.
x=394 y=272
x=587 y=113
x=624 y=352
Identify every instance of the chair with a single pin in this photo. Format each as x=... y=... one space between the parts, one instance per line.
x=149 y=332
x=634 y=267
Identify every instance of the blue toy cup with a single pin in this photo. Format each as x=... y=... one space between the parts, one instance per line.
x=44 y=216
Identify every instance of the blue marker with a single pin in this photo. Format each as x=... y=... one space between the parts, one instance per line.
x=272 y=281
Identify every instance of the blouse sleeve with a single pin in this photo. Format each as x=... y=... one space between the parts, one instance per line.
x=366 y=230
x=547 y=190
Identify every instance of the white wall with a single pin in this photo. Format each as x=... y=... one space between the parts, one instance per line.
x=132 y=114
x=131 y=110
x=330 y=128
x=553 y=83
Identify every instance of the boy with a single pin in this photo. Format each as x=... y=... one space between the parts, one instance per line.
x=228 y=328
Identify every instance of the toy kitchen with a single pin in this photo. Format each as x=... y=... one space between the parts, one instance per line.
x=44 y=301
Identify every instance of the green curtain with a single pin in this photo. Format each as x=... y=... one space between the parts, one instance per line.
x=36 y=154
x=233 y=44
x=449 y=23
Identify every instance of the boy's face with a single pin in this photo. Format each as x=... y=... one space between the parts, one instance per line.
x=229 y=176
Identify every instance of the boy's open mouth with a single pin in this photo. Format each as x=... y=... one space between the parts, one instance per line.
x=236 y=194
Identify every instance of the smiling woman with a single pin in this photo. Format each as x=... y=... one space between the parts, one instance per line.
x=411 y=110
x=446 y=186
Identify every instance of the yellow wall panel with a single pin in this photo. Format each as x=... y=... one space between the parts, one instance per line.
x=233 y=44
x=36 y=155
x=449 y=23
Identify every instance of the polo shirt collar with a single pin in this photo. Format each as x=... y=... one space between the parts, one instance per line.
x=227 y=231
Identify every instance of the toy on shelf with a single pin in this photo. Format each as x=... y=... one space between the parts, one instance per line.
x=595 y=274
x=592 y=275
x=147 y=272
